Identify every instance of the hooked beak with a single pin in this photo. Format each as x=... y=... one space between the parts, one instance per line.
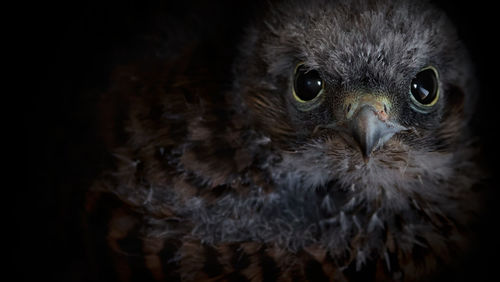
x=369 y=124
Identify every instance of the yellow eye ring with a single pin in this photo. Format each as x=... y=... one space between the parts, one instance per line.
x=425 y=88
x=307 y=84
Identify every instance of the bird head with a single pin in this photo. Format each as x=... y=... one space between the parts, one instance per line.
x=342 y=85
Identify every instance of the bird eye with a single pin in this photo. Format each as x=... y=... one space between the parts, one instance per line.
x=307 y=84
x=424 y=87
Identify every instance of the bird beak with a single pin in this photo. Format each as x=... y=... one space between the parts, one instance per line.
x=369 y=124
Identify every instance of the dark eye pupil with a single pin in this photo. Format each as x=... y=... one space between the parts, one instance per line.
x=424 y=86
x=308 y=84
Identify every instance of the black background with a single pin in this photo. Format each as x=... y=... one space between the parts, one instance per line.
x=65 y=53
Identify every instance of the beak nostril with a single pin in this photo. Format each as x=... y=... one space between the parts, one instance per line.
x=383 y=115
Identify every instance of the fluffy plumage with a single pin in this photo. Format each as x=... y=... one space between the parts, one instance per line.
x=236 y=180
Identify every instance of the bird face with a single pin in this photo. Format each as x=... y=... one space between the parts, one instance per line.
x=370 y=90
x=363 y=117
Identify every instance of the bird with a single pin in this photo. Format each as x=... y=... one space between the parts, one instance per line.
x=337 y=147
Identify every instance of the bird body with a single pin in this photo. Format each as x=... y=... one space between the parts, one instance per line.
x=339 y=150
